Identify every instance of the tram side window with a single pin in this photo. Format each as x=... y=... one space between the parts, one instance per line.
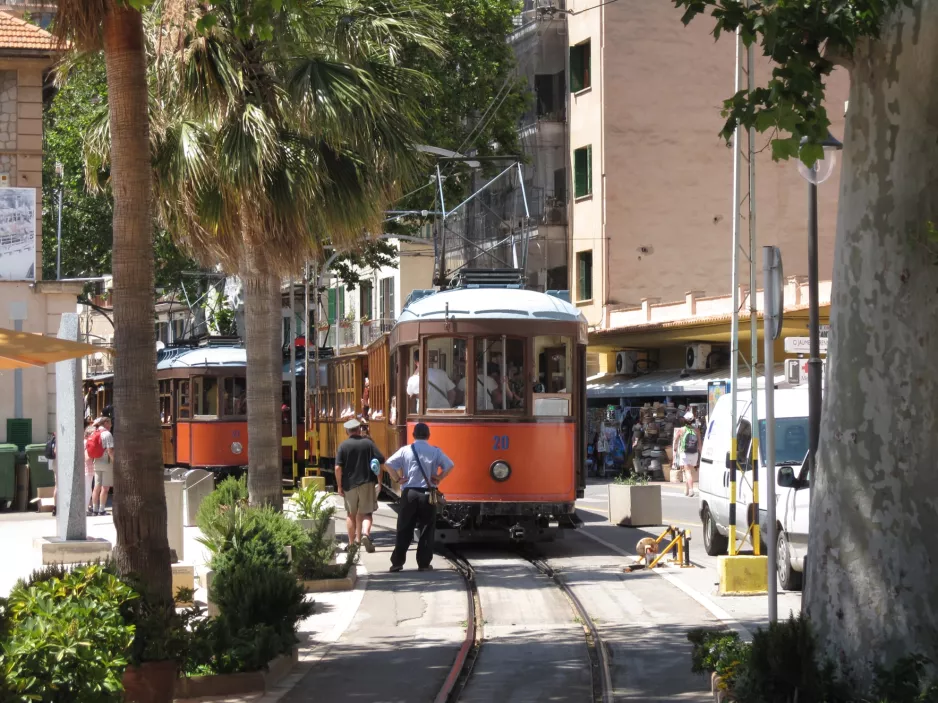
x=206 y=396
x=184 y=407
x=499 y=374
x=166 y=402
x=234 y=396
x=553 y=383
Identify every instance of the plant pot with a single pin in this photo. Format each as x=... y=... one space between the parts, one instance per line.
x=634 y=505
x=331 y=584
x=151 y=682
x=312 y=525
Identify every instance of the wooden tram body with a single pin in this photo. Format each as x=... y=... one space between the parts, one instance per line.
x=537 y=339
x=203 y=410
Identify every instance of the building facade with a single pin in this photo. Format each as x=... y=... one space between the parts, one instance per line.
x=27 y=303
x=651 y=200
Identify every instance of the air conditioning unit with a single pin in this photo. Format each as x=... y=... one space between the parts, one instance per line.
x=631 y=361
x=696 y=357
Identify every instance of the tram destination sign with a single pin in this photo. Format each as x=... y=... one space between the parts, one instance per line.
x=802 y=345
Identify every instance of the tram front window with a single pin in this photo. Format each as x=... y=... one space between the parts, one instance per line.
x=235 y=396
x=553 y=380
x=445 y=365
x=206 y=396
x=499 y=374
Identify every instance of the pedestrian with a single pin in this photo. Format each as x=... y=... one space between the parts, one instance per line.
x=357 y=483
x=50 y=457
x=685 y=449
x=100 y=447
x=89 y=467
x=441 y=391
x=417 y=467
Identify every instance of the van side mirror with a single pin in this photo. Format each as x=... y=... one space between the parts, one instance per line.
x=786 y=477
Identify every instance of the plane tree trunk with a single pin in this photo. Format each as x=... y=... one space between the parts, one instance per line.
x=873 y=556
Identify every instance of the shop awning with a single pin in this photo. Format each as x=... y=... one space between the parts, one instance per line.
x=23 y=350
x=665 y=383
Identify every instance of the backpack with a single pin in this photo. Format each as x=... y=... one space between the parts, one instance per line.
x=50 y=448
x=689 y=441
x=94 y=446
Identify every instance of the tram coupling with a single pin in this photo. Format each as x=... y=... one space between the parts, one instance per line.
x=516 y=532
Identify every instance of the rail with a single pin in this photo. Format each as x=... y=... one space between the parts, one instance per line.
x=602 y=676
x=472 y=644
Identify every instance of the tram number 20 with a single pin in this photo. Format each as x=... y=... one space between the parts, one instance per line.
x=500 y=443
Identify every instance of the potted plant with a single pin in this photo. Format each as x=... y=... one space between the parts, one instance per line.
x=349 y=318
x=632 y=501
x=365 y=320
x=323 y=326
x=159 y=644
x=311 y=507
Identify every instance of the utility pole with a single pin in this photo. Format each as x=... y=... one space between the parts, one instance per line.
x=60 y=173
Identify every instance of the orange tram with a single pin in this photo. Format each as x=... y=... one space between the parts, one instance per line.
x=499 y=375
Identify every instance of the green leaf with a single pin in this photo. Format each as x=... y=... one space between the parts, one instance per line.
x=811 y=153
x=783 y=149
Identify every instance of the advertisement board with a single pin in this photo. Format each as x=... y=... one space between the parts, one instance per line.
x=18 y=234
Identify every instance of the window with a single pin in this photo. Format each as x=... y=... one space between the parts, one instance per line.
x=499 y=374
x=162 y=332
x=583 y=171
x=179 y=329
x=791 y=440
x=183 y=400
x=584 y=275
x=166 y=402
x=444 y=367
x=549 y=94
x=386 y=299
x=580 y=67
x=554 y=383
x=234 y=396
x=206 y=396
x=331 y=306
x=365 y=299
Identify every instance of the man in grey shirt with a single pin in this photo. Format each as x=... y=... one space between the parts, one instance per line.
x=417 y=467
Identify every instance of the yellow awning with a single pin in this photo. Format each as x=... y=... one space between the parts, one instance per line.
x=23 y=350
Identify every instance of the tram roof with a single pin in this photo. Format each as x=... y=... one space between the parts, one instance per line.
x=203 y=356
x=491 y=303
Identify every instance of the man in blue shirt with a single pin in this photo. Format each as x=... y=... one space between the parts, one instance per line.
x=417 y=467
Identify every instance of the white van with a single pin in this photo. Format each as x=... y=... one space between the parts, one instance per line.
x=791 y=448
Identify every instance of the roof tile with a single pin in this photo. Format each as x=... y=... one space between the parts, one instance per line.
x=19 y=34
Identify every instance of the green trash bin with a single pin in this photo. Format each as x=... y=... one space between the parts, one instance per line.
x=40 y=468
x=7 y=473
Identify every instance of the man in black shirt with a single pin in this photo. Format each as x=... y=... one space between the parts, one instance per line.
x=358 y=483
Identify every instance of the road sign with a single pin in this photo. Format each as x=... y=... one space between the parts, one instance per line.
x=802 y=345
x=796 y=371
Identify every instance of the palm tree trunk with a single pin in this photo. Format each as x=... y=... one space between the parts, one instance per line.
x=263 y=329
x=139 y=501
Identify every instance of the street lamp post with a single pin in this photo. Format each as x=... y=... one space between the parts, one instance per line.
x=60 y=172
x=815 y=175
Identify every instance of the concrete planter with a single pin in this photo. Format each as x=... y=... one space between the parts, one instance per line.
x=331 y=584
x=311 y=525
x=634 y=505
x=236 y=684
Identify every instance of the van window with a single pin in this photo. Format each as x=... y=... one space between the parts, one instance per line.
x=791 y=440
x=743 y=443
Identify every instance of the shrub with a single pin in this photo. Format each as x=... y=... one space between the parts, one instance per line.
x=280 y=529
x=68 y=639
x=315 y=560
x=905 y=682
x=633 y=479
x=215 y=649
x=720 y=651
x=784 y=666
x=230 y=492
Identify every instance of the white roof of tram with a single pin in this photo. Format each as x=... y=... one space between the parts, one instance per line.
x=204 y=356
x=491 y=303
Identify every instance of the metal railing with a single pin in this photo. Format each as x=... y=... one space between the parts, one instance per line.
x=99 y=363
x=354 y=333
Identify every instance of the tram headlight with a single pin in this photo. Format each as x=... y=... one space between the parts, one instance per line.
x=500 y=471
x=236 y=447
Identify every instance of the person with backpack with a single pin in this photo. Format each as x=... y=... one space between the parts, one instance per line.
x=50 y=456
x=100 y=448
x=89 y=466
x=418 y=468
x=686 y=451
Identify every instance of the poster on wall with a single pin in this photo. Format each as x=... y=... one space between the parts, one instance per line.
x=17 y=234
x=715 y=391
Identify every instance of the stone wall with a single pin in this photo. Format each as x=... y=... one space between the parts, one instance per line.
x=8 y=133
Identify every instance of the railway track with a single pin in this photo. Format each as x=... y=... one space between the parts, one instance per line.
x=461 y=671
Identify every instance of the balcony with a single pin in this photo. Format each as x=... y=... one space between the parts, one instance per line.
x=100 y=363
x=353 y=333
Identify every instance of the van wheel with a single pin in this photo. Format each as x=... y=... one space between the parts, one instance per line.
x=715 y=544
x=788 y=578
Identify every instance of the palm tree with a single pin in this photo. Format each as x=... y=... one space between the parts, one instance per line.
x=271 y=146
x=139 y=502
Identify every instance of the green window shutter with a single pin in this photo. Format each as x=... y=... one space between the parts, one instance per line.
x=582 y=171
x=584 y=284
x=589 y=169
x=576 y=69
x=330 y=305
x=585 y=62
